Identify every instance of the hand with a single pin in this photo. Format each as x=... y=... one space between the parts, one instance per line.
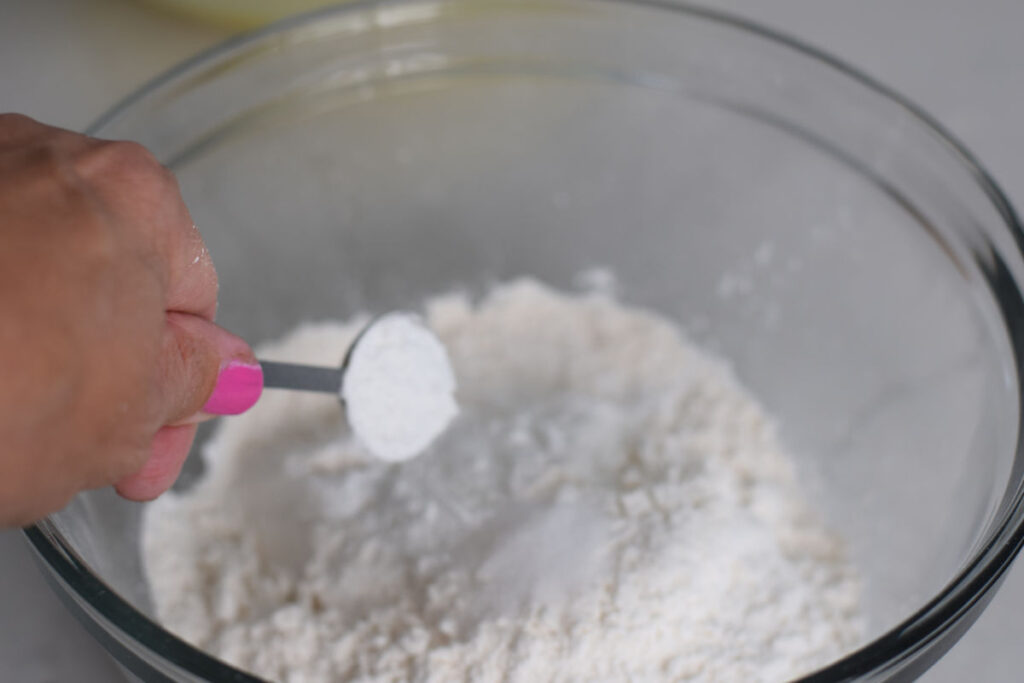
x=108 y=350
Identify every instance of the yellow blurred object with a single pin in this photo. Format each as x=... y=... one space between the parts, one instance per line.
x=239 y=14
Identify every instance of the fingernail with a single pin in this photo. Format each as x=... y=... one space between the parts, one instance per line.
x=239 y=386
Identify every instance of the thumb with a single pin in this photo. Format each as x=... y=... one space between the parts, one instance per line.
x=206 y=371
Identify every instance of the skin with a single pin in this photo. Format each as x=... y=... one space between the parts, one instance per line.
x=108 y=349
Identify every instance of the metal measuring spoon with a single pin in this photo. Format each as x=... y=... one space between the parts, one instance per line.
x=301 y=377
x=395 y=380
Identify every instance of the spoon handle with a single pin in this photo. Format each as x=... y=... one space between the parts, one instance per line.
x=303 y=377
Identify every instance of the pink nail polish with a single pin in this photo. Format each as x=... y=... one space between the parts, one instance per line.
x=239 y=386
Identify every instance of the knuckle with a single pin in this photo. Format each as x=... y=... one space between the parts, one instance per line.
x=132 y=153
x=119 y=159
x=45 y=171
x=46 y=161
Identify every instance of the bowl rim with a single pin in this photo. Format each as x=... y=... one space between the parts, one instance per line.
x=957 y=604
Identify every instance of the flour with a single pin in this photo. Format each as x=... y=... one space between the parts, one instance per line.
x=398 y=387
x=609 y=505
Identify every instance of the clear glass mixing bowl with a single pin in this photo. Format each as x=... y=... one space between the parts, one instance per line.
x=857 y=266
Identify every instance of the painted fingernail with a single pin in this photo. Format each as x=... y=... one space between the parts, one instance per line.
x=239 y=386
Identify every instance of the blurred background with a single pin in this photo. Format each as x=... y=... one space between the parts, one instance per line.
x=67 y=61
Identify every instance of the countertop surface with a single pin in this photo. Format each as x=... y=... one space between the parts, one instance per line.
x=66 y=61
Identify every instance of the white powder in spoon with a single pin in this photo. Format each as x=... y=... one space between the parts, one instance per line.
x=398 y=387
x=611 y=505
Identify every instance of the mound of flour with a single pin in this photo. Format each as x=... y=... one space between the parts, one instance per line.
x=609 y=505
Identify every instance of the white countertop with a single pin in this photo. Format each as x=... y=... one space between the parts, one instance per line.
x=66 y=61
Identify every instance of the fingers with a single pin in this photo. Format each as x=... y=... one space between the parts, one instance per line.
x=147 y=200
x=167 y=455
x=140 y=195
x=24 y=141
x=205 y=371
x=111 y=293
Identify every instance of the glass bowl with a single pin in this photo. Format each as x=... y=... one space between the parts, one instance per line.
x=859 y=269
x=234 y=14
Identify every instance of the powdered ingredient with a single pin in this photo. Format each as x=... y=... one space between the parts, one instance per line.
x=609 y=505
x=398 y=387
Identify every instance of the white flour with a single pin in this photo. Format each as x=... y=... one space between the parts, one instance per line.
x=609 y=505
x=398 y=387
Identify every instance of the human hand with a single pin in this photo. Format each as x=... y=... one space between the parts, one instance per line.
x=108 y=350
